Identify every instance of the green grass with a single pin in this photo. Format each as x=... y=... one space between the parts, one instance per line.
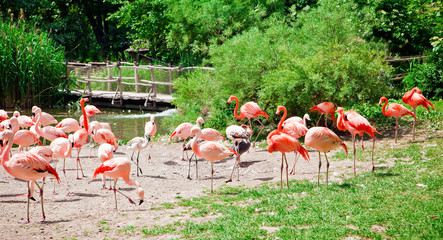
x=402 y=202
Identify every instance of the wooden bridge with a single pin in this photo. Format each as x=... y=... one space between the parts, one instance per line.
x=128 y=92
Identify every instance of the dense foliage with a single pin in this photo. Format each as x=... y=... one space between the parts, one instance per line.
x=31 y=65
x=323 y=57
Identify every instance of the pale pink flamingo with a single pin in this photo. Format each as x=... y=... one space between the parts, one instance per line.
x=61 y=148
x=137 y=144
x=105 y=136
x=249 y=110
x=43 y=151
x=296 y=130
x=80 y=137
x=323 y=140
x=325 y=108
x=23 y=138
x=282 y=142
x=3 y=115
x=356 y=124
x=395 y=110
x=119 y=168
x=23 y=121
x=68 y=125
x=26 y=166
x=299 y=120
x=414 y=98
x=91 y=110
x=105 y=152
x=211 y=151
x=46 y=118
x=150 y=130
x=183 y=131
x=50 y=133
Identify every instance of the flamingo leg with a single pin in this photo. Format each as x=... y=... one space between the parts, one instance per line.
x=81 y=168
x=295 y=162
x=319 y=167
x=319 y=119
x=396 y=129
x=353 y=144
x=115 y=194
x=104 y=181
x=413 y=128
x=64 y=173
x=326 y=120
x=262 y=127
x=238 y=168
x=189 y=167
x=196 y=166
x=138 y=168
x=232 y=172
x=41 y=197
x=373 y=144
x=287 y=175
x=281 y=172
x=327 y=169
x=212 y=176
x=27 y=209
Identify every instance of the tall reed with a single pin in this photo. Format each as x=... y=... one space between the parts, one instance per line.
x=31 y=65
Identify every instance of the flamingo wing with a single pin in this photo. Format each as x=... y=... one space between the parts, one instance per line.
x=29 y=166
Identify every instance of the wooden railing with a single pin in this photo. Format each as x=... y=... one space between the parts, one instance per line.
x=135 y=80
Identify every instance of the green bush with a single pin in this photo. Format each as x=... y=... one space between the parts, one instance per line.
x=322 y=57
x=31 y=66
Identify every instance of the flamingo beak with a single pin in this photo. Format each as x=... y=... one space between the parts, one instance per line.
x=141 y=201
x=33 y=114
x=1 y=142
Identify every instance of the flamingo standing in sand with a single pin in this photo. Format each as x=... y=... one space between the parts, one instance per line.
x=23 y=138
x=296 y=128
x=61 y=148
x=249 y=110
x=45 y=119
x=211 y=151
x=80 y=137
x=23 y=121
x=105 y=152
x=325 y=108
x=26 y=166
x=68 y=125
x=323 y=140
x=356 y=124
x=414 y=98
x=282 y=142
x=119 y=168
x=395 y=110
x=50 y=133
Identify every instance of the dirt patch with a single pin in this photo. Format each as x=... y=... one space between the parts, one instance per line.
x=89 y=212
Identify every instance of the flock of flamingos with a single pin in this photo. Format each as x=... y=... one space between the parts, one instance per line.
x=34 y=164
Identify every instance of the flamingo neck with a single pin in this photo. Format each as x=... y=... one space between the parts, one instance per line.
x=194 y=144
x=333 y=116
x=38 y=128
x=280 y=124
x=5 y=153
x=85 y=118
x=235 y=110
x=383 y=110
x=340 y=122
x=304 y=121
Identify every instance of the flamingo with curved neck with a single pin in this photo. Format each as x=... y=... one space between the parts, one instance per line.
x=249 y=110
x=394 y=110
x=414 y=98
x=282 y=142
x=80 y=137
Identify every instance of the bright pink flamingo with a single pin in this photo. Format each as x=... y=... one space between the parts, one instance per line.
x=26 y=166
x=91 y=110
x=183 y=131
x=323 y=140
x=211 y=151
x=23 y=121
x=46 y=118
x=23 y=138
x=414 y=98
x=68 y=125
x=119 y=168
x=249 y=110
x=105 y=136
x=50 y=133
x=395 y=110
x=296 y=130
x=80 y=137
x=3 y=115
x=282 y=142
x=325 y=108
x=105 y=152
x=356 y=124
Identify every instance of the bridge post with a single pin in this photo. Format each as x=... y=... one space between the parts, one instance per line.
x=109 y=75
x=120 y=82
x=89 y=66
x=154 y=86
x=170 y=78
x=137 y=77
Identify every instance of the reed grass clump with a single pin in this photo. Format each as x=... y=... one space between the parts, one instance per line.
x=31 y=65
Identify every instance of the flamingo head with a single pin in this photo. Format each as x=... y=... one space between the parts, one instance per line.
x=382 y=100
x=201 y=120
x=195 y=130
x=83 y=100
x=231 y=98
x=416 y=90
x=16 y=114
x=279 y=109
x=36 y=111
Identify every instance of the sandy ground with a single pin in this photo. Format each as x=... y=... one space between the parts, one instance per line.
x=89 y=213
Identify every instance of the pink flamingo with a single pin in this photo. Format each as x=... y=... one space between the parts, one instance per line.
x=296 y=130
x=23 y=138
x=299 y=120
x=3 y=115
x=23 y=121
x=26 y=166
x=68 y=125
x=105 y=136
x=249 y=110
x=119 y=168
x=282 y=142
x=50 y=133
x=43 y=151
x=356 y=124
x=62 y=148
x=91 y=110
x=395 y=110
x=241 y=142
x=46 y=118
x=323 y=140
x=211 y=151
x=80 y=137
x=150 y=130
x=105 y=152
x=325 y=108
x=414 y=98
